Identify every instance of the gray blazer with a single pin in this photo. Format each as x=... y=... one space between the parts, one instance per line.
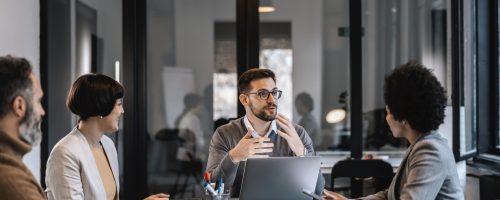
x=72 y=172
x=428 y=171
x=227 y=137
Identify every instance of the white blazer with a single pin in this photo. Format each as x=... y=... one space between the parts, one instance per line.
x=72 y=172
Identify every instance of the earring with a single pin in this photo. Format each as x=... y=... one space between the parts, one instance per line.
x=100 y=117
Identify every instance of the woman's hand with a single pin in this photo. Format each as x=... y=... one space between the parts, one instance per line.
x=328 y=195
x=160 y=196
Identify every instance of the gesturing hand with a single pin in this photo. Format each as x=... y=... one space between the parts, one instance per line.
x=249 y=147
x=290 y=135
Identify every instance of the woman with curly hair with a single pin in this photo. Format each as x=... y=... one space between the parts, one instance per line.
x=415 y=104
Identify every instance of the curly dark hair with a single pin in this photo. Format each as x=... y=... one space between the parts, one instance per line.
x=414 y=94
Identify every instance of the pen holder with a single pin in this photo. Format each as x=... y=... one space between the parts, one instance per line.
x=217 y=197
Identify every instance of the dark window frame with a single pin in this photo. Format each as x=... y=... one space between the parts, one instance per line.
x=457 y=71
x=495 y=138
x=487 y=82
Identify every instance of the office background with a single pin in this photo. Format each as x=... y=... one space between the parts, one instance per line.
x=336 y=51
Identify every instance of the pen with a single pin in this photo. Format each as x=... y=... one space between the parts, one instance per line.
x=209 y=188
x=206 y=176
x=217 y=185
x=221 y=186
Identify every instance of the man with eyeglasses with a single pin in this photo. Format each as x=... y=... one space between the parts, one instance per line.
x=261 y=133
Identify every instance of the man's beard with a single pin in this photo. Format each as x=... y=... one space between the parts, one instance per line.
x=262 y=113
x=30 y=128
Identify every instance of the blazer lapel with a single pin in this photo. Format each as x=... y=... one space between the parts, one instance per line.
x=90 y=165
x=391 y=193
x=394 y=189
x=113 y=161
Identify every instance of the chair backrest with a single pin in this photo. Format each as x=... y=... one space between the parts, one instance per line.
x=169 y=139
x=167 y=134
x=174 y=143
x=488 y=187
x=380 y=170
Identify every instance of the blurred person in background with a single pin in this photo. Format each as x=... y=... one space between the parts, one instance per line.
x=305 y=105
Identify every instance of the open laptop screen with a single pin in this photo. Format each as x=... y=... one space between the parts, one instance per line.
x=279 y=178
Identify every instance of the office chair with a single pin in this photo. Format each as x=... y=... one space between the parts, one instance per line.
x=190 y=168
x=358 y=170
x=170 y=138
x=378 y=133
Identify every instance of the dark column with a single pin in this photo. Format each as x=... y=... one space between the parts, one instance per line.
x=247 y=38
x=134 y=81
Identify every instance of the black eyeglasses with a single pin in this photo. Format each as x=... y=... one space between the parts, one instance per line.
x=264 y=94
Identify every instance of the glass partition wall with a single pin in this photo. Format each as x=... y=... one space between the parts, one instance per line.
x=192 y=75
x=180 y=67
x=191 y=70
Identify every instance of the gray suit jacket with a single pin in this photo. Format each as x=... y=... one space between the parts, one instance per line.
x=227 y=137
x=72 y=172
x=428 y=171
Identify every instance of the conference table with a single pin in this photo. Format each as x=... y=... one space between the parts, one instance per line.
x=328 y=160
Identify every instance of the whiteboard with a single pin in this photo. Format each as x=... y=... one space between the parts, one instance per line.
x=177 y=82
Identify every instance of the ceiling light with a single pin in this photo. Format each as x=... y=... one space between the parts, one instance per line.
x=335 y=116
x=266 y=6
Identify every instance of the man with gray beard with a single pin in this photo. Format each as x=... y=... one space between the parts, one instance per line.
x=261 y=133
x=21 y=113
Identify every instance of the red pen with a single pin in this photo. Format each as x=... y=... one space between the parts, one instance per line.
x=206 y=175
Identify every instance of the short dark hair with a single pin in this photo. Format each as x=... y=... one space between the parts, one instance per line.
x=14 y=81
x=415 y=95
x=93 y=95
x=253 y=74
x=306 y=100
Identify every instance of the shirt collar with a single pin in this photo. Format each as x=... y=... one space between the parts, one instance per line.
x=272 y=128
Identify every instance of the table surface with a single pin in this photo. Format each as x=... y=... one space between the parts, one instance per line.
x=329 y=158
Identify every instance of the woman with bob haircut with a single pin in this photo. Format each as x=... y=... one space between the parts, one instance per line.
x=415 y=103
x=84 y=164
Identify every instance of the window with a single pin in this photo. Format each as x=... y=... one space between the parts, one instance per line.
x=487 y=95
x=467 y=83
x=276 y=54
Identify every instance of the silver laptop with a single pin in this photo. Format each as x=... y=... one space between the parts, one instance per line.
x=279 y=178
